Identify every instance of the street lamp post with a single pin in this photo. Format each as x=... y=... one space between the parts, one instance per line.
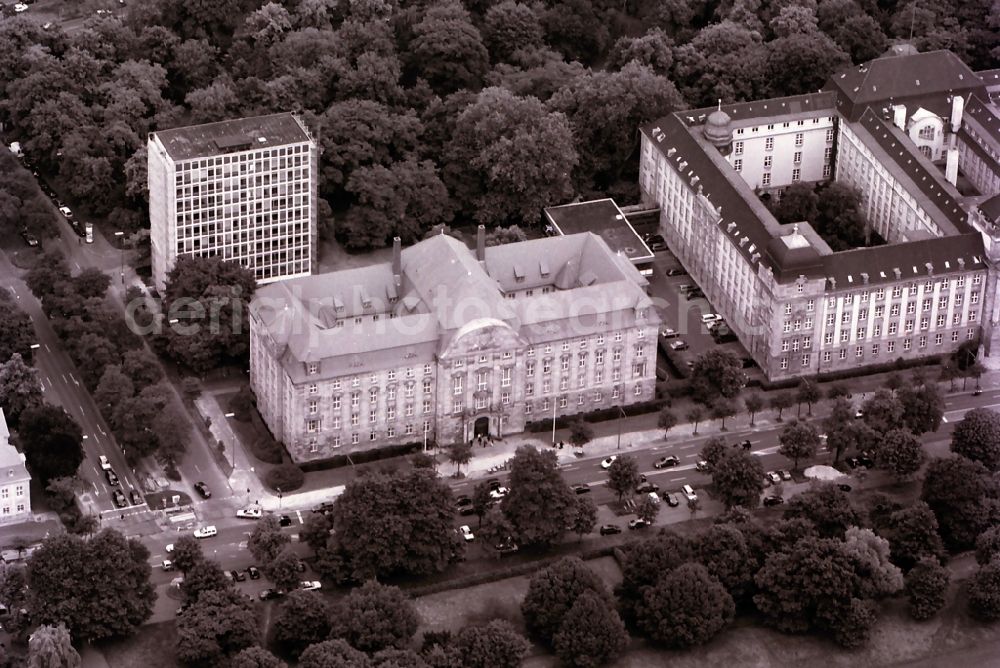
x=279 y=497
x=121 y=246
x=232 y=458
x=621 y=414
x=554 y=422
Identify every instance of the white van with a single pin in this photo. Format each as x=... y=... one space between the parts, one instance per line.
x=88 y=232
x=15 y=148
x=654 y=497
x=688 y=493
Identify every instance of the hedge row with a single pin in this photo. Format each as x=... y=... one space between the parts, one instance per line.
x=602 y=415
x=363 y=456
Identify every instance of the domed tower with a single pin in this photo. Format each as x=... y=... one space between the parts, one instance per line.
x=718 y=130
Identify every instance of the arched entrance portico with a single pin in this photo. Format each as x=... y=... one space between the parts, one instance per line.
x=481 y=427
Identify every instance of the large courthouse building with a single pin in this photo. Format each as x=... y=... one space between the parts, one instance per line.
x=243 y=190
x=446 y=342
x=919 y=138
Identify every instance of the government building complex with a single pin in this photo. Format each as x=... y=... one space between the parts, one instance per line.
x=918 y=136
x=243 y=190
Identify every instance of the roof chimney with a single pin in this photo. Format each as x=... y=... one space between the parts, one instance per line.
x=899 y=116
x=481 y=243
x=957 y=107
x=397 y=257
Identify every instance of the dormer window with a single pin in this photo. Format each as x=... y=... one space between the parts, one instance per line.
x=312 y=368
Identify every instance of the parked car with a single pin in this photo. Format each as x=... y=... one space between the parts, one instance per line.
x=494 y=483
x=581 y=489
x=694 y=294
x=268 y=594
x=507 y=546
x=206 y=531
x=672 y=500
x=864 y=459
x=203 y=490
x=65 y=211
x=105 y=463
x=112 y=477
x=119 y=498
x=676 y=272
x=29 y=238
x=466 y=533
x=666 y=462
x=20 y=7
x=253 y=572
x=688 y=493
x=844 y=487
x=499 y=493
x=310 y=585
x=284 y=521
x=324 y=508
x=773 y=477
x=610 y=529
x=785 y=474
x=135 y=497
x=668 y=333
x=608 y=461
x=235 y=576
x=773 y=500
x=708 y=318
x=703 y=467
x=647 y=487
x=167 y=565
x=678 y=345
x=852 y=462
x=638 y=523
x=251 y=513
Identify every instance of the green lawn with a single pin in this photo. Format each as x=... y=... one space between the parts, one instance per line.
x=151 y=647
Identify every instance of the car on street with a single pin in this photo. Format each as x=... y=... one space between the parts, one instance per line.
x=709 y=318
x=672 y=500
x=773 y=500
x=685 y=288
x=610 y=529
x=235 y=576
x=105 y=464
x=507 y=546
x=310 y=585
x=666 y=462
x=581 y=489
x=203 y=490
x=65 y=211
x=324 y=508
x=494 y=483
x=858 y=414
x=608 y=461
x=251 y=513
x=253 y=572
x=499 y=493
x=206 y=531
x=656 y=243
x=844 y=487
x=464 y=506
x=668 y=333
x=466 y=533
x=638 y=523
x=29 y=238
x=688 y=493
x=676 y=272
x=746 y=444
x=119 y=498
x=20 y=7
x=463 y=502
x=773 y=477
x=284 y=521
x=785 y=474
x=268 y=594
x=135 y=497
x=112 y=477
x=167 y=565
x=678 y=345
x=702 y=466
x=864 y=459
x=169 y=548
x=694 y=294
x=647 y=487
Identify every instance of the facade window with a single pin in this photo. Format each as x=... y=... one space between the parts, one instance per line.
x=829 y=135
x=954 y=336
x=456 y=385
x=527 y=408
x=427 y=406
x=972 y=316
x=810 y=305
x=563 y=402
x=408 y=429
x=355 y=419
x=890 y=346
x=879 y=310
x=924 y=323
x=390 y=394
x=738 y=164
x=546 y=386
x=788 y=309
x=897 y=291
x=456 y=407
x=354 y=439
x=797 y=158
x=911 y=308
x=335 y=424
x=505 y=398
x=765 y=179
x=830 y=319
x=875 y=349
x=618 y=337
x=391 y=375
x=827 y=170
x=769 y=144
x=859 y=351
x=565 y=346
x=311 y=426
x=796 y=175
x=372 y=435
x=784 y=362
x=876 y=330
x=799 y=137
x=481 y=381
x=409 y=390
x=615 y=392
x=313 y=388
x=861 y=333
x=738 y=148
x=564 y=363
x=784 y=346
x=616 y=355
x=312 y=368
x=938 y=339
x=355 y=382
x=599 y=375
x=616 y=374
x=599 y=357
x=974 y=297
x=373 y=378
x=335 y=403
x=894 y=310
x=798 y=324
x=505 y=377
x=390 y=412
x=313 y=406
x=892 y=328
x=843 y=353
x=862 y=314
x=480 y=402
x=409 y=372
x=786 y=326
x=767 y=162
x=563 y=383
x=529 y=369
x=845 y=318
x=906 y=344
x=827 y=356
x=373 y=416
x=427 y=369
x=845 y=335
x=390 y=432
x=355 y=399
x=582 y=359
x=373 y=395
x=922 y=342
x=828 y=338
x=336 y=384
x=529 y=389
x=546 y=366
x=827 y=154
x=805 y=359
x=427 y=385
x=971 y=334
x=597 y=396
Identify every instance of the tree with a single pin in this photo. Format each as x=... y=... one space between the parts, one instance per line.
x=988 y=545
x=333 y=654
x=600 y=106
x=963 y=496
x=780 y=402
x=799 y=440
x=837 y=390
x=724 y=550
x=50 y=270
x=206 y=575
x=739 y=478
x=507 y=158
x=267 y=540
x=217 y=625
x=716 y=373
x=984 y=593
x=493 y=645
x=508 y=26
x=405 y=199
x=654 y=50
x=686 y=607
x=797 y=204
x=808 y=393
x=51 y=647
x=495 y=529
x=16 y=331
x=256 y=657
x=20 y=388
x=584 y=517
x=883 y=411
x=315 y=531
x=802 y=62
x=926 y=586
x=695 y=415
x=852 y=435
x=754 y=403
x=91 y=282
x=714 y=451
x=913 y=535
x=591 y=633
x=724 y=60
x=827 y=507
x=647 y=509
x=303 y=619
x=142 y=368
x=580 y=433
x=977 y=437
x=113 y=600
x=283 y=570
x=535 y=482
x=870 y=555
x=51 y=442
x=900 y=452
x=645 y=563
x=840 y=222
x=575 y=29
x=459 y=453
x=623 y=475
x=385 y=525
x=722 y=409
x=447 y=49
x=481 y=499
x=505 y=235
x=187 y=553
x=552 y=592
x=173 y=431
x=114 y=388
x=374 y=617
